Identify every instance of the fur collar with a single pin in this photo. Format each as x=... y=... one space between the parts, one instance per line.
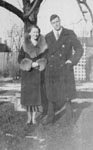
x=32 y=50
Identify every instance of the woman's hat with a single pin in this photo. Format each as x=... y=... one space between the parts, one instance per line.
x=42 y=63
x=26 y=64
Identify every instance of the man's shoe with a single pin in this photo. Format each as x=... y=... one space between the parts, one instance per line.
x=48 y=120
x=60 y=110
x=42 y=115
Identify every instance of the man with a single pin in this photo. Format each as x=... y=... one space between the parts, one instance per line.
x=64 y=51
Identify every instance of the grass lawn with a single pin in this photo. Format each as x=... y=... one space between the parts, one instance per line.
x=13 y=130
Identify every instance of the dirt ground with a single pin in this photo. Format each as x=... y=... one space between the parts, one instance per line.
x=75 y=135
x=78 y=135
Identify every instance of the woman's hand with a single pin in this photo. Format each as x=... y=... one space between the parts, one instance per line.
x=35 y=65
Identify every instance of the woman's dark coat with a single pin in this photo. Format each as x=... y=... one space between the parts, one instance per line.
x=30 y=80
x=60 y=83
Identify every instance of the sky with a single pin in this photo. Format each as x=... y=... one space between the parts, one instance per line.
x=68 y=11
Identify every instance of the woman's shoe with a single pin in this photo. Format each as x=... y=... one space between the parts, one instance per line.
x=29 y=122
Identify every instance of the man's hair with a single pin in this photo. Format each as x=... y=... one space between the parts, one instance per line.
x=52 y=17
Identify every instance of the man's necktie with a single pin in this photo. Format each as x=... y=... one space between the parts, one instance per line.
x=57 y=35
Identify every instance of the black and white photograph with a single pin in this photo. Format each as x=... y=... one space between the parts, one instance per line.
x=46 y=74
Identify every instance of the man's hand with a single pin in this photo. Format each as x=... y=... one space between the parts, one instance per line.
x=68 y=64
x=68 y=61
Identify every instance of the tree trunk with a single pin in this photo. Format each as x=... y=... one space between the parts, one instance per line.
x=29 y=13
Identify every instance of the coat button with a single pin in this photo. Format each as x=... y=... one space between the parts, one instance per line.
x=52 y=56
x=60 y=55
x=61 y=65
x=63 y=46
x=51 y=66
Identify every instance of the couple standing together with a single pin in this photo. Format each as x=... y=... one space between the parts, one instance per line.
x=49 y=79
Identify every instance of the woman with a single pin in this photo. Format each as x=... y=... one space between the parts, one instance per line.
x=33 y=49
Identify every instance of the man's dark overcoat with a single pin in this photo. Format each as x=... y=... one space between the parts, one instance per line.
x=60 y=83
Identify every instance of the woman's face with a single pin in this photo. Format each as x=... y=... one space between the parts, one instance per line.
x=34 y=33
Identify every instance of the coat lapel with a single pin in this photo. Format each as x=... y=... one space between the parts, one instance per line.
x=52 y=36
x=56 y=43
x=62 y=37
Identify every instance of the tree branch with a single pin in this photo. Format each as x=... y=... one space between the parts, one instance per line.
x=91 y=15
x=13 y=9
x=84 y=2
x=34 y=7
x=26 y=2
x=78 y=1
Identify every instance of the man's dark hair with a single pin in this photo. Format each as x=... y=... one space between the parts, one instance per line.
x=52 y=17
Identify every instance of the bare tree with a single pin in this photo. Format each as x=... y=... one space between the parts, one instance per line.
x=29 y=13
x=85 y=3
x=15 y=36
x=31 y=8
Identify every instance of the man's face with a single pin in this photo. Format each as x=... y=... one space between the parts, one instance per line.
x=56 y=23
